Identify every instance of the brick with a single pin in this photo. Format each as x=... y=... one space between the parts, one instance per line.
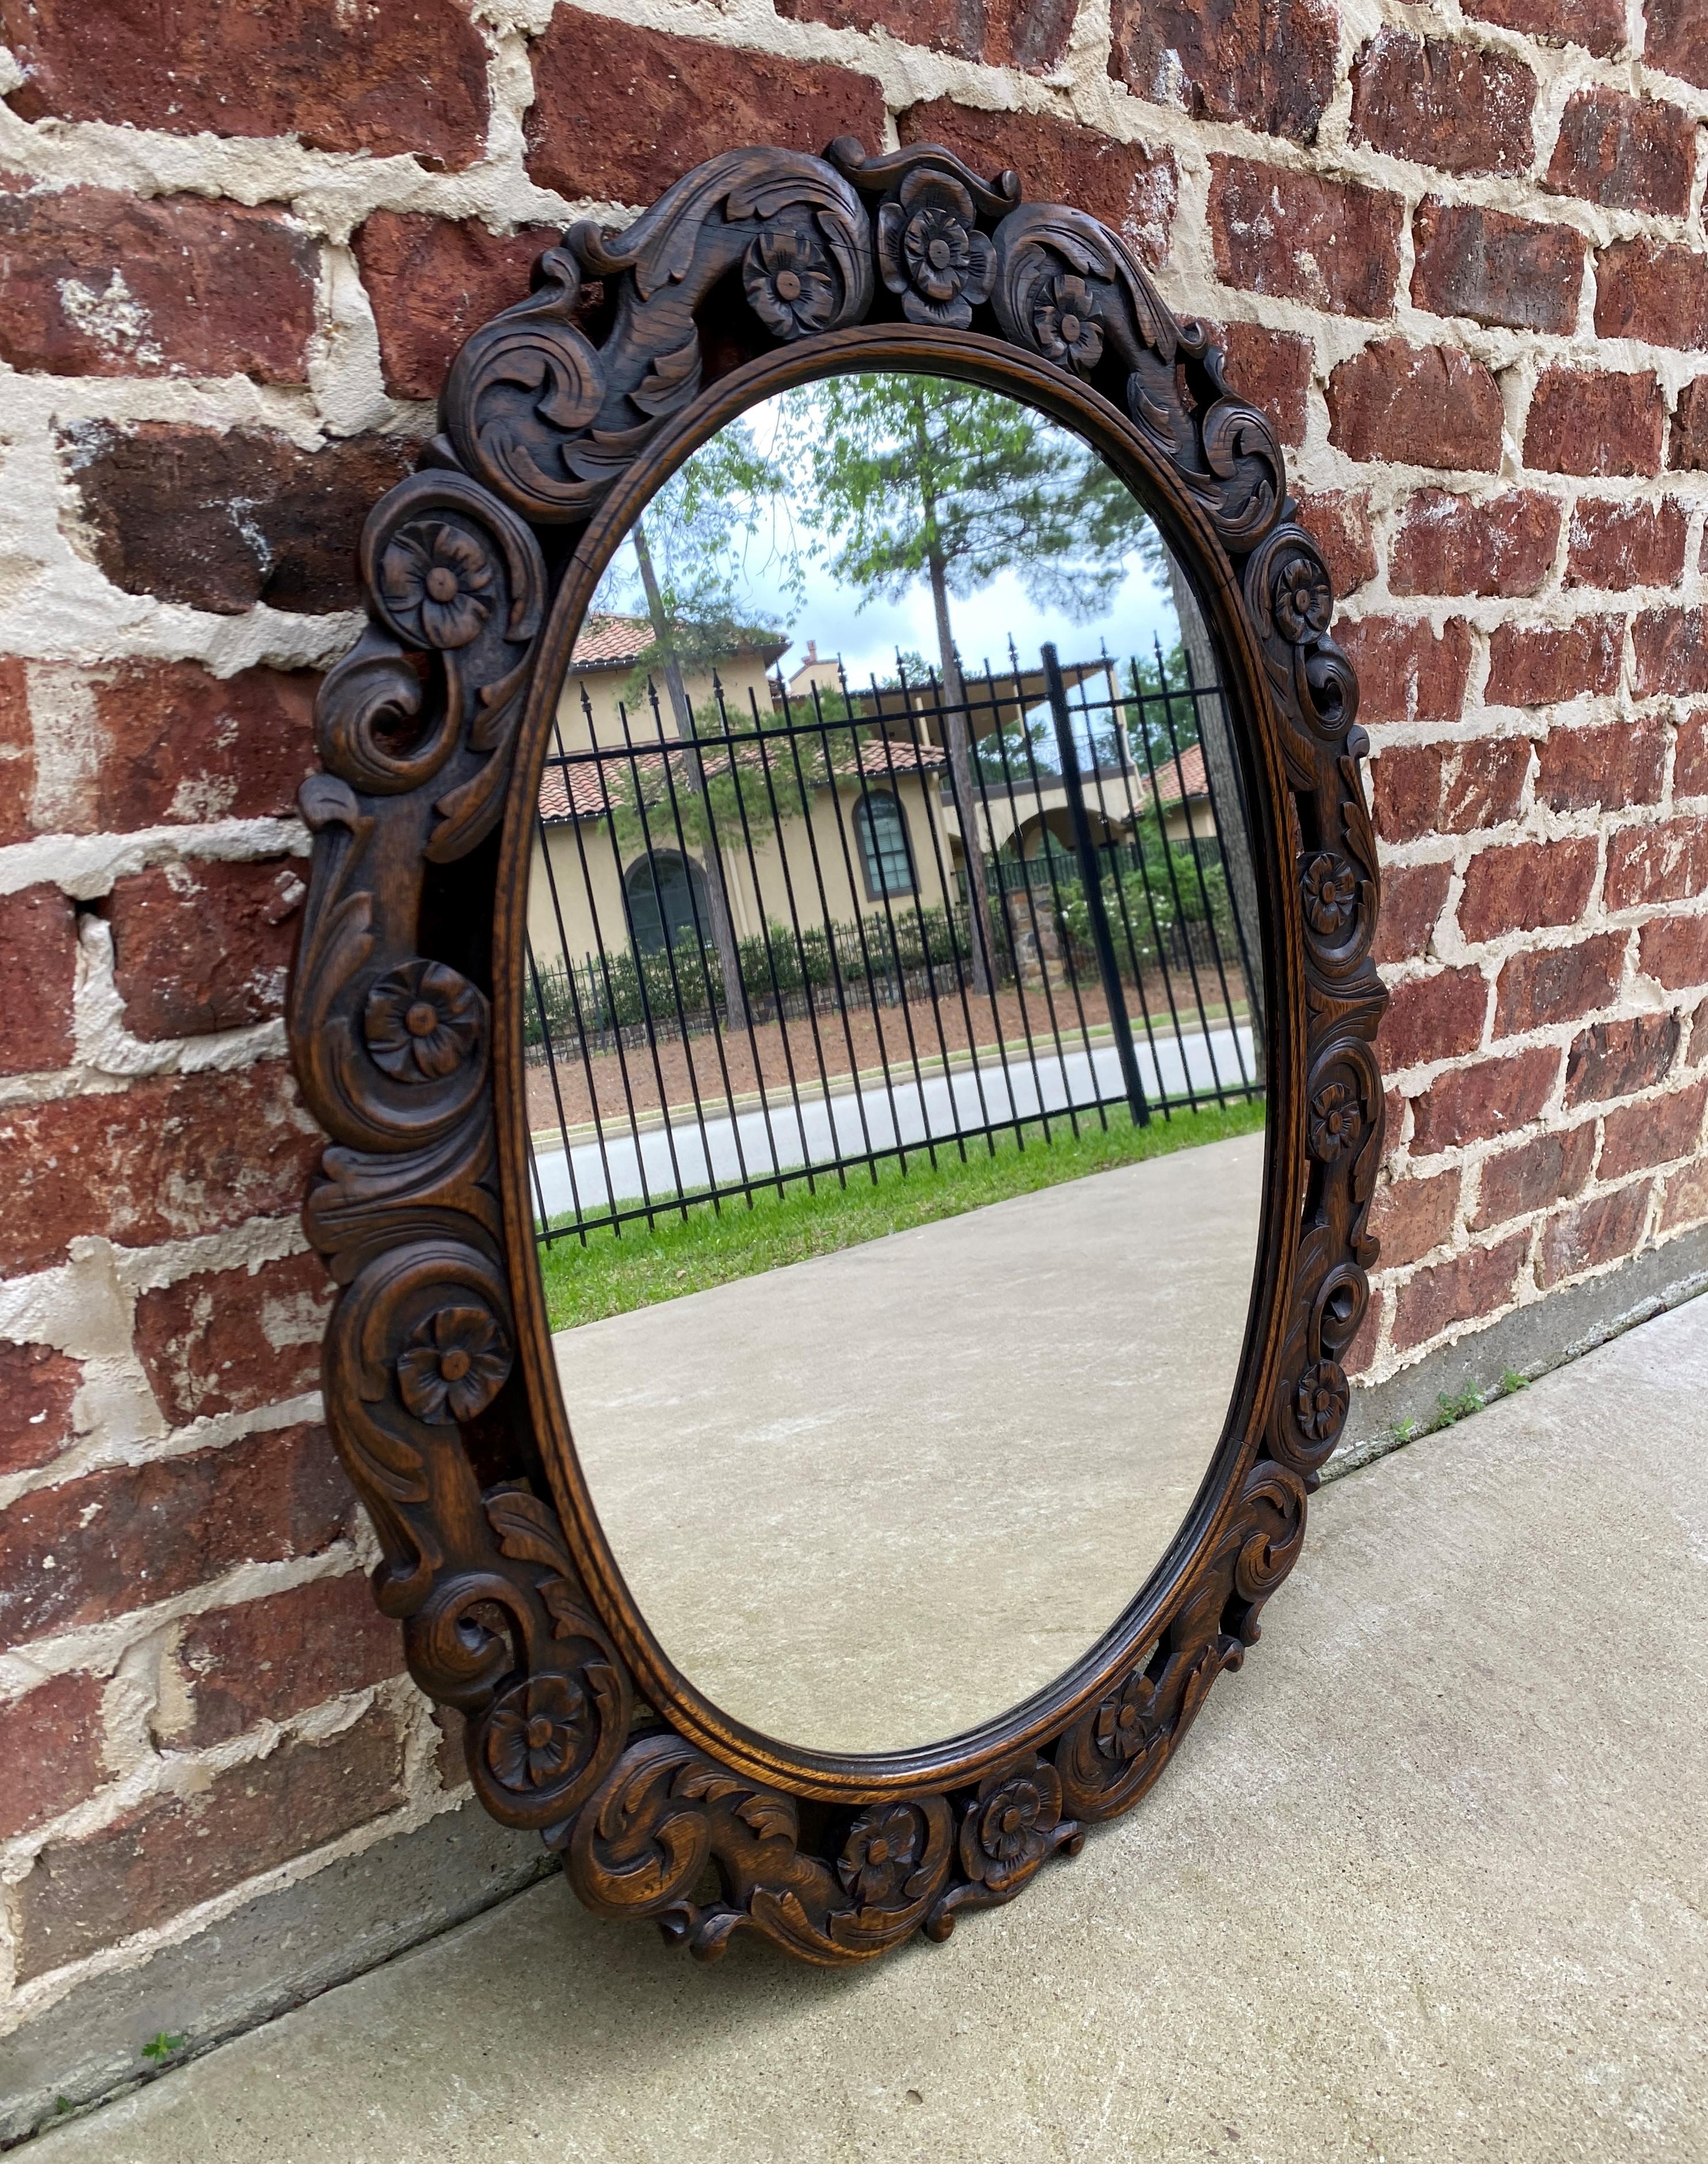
x=270 y=1659
x=1443 y=103
x=1618 y=1059
x=1524 y=886
x=204 y=946
x=1271 y=371
x=1412 y=899
x=17 y=751
x=1585 y=422
x=123 y=1539
x=1616 y=545
x=1333 y=244
x=1338 y=521
x=1410 y=1216
x=1690 y=756
x=1674 y=951
x=1601 y=769
x=1132 y=190
x=1448 y=788
x=227 y=1341
x=38 y=1387
x=1469 y=262
x=1652 y=290
x=1027 y=33
x=170 y=1853
x=1639 y=1136
x=449 y=1756
x=1268 y=67
x=1599 y=25
x=50 y=1751
x=1687 y=1197
x=1557 y=984
x=221 y=522
x=1547 y=1169
x=1412 y=405
x=603 y=87
x=1687 y=443
x=1434 y=1017
x=99 y=283
x=1406 y=671
x=397 y=81
x=1667 y=862
x=1479 y=1103
x=1544 y=665
x=1603 y=1230
x=1671 y=646
x=1463 y=1289
x=166 y=1158
x=1677 y=39
x=1624 y=153
x=178 y=743
x=1453 y=544
x=432 y=281
x=38 y=972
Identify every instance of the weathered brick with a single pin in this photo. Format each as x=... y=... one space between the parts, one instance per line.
x=1547 y=1169
x=397 y=81
x=227 y=1341
x=1677 y=39
x=1671 y=646
x=222 y=521
x=123 y=1539
x=1687 y=442
x=1616 y=545
x=1638 y=1137
x=266 y=1660
x=1542 y=664
x=1557 y=984
x=50 y=1751
x=1269 y=67
x=1690 y=756
x=1412 y=899
x=1479 y=1103
x=1667 y=862
x=1597 y=24
x=204 y=946
x=1412 y=405
x=1686 y=1197
x=1605 y=1229
x=38 y=1385
x=176 y=742
x=450 y=1757
x=1434 y=1017
x=1027 y=33
x=1652 y=290
x=1448 y=788
x=432 y=281
x=1462 y=1289
x=1583 y=421
x=99 y=283
x=600 y=88
x=169 y=1156
x=1333 y=244
x=1406 y=671
x=1470 y=261
x=170 y=1853
x=1444 y=103
x=1525 y=886
x=1338 y=521
x=1625 y=153
x=1617 y=1058
x=1673 y=950
x=1271 y=371
x=1410 y=1216
x=1457 y=545
x=1133 y=191
x=1604 y=768
x=17 y=751
x=38 y=971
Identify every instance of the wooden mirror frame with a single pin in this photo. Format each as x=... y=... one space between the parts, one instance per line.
x=760 y=269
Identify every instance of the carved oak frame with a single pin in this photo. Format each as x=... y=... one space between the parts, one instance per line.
x=760 y=269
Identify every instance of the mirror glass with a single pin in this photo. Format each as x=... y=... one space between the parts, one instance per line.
x=895 y=1058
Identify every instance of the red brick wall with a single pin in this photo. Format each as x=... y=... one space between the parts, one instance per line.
x=1460 y=256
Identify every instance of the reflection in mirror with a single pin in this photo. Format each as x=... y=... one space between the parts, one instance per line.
x=895 y=1058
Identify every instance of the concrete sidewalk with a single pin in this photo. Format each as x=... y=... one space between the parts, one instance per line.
x=1429 y=1881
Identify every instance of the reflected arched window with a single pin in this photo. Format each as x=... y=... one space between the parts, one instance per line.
x=882 y=834
x=666 y=898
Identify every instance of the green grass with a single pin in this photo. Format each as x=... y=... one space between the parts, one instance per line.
x=610 y=1275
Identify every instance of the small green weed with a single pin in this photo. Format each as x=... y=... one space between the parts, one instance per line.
x=161 y=2045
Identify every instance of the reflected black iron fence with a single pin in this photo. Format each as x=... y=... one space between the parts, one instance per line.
x=831 y=929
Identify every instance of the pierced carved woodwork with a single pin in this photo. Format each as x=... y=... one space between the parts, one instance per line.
x=761 y=267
